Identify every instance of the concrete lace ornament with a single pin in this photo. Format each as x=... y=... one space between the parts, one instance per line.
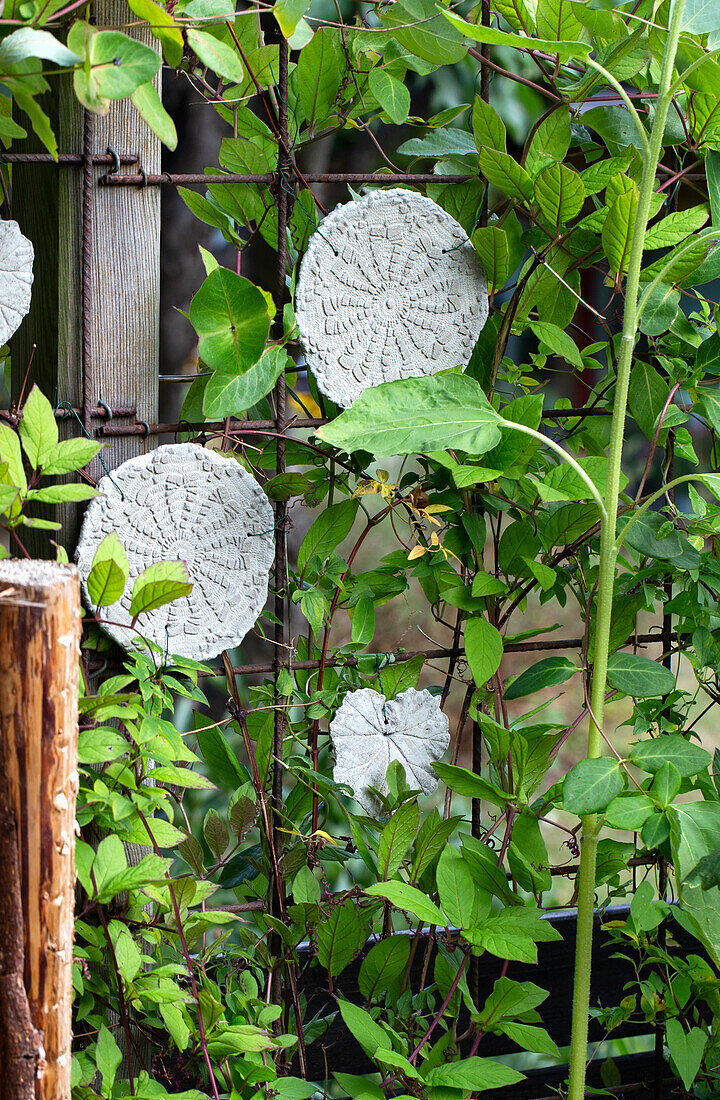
x=390 y=287
x=368 y=733
x=184 y=502
x=16 y=276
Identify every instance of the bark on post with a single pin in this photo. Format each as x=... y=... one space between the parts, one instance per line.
x=39 y=652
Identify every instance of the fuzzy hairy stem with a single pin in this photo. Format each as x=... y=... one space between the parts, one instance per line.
x=608 y=560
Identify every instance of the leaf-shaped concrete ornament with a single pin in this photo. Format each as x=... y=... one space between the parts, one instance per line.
x=368 y=732
x=390 y=287
x=183 y=502
x=16 y=276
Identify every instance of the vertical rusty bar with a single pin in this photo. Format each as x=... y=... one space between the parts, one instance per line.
x=280 y=426
x=86 y=295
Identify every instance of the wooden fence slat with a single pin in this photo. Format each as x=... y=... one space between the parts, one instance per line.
x=124 y=322
x=39 y=661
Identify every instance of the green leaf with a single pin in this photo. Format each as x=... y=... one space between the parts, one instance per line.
x=340 y=937
x=550 y=142
x=70 y=455
x=475 y=1074
x=392 y=95
x=492 y=246
x=232 y=318
x=660 y=310
x=62 y=494
x=472 y=786
x=289 y=13
x=488 y=127
x=560 y=193
x=408 y=899
x=639 y=676
x=549 y=672
x=109 y=572
x=115 y=65
x=530 y=1038
x=108 y=1057
x=700 y=16
x=675 y=227
x=556 y=19
x=242 y=812
x=8 y=496
x=319 y=73
x=285 y=486
x=565 y=51
x=161 y=583
x=396 y=838
x=384 y=966
x=514 y=933
x=417 y=415
x=462 y=903
x=224 y=767
x=483 y=648
x=504 y=172
x=11 y=456
x=163 y=27
x=440 y=143
x=306 y=888
x=149 y=106
x=694 y=831
x=327 y=531
x=232 y=394
x=361 y=1024
x=591 y=785
x=618 y=229
x=629 y=811
x=217 y=55
x=653 y=754
x=38 y=430
x=558 y=341
x=528 y=855
x=216 y=833
x=519 y=14
x=706 y=873
x=99 y=745
x=28 y=42
x=424 y=33
x=686 y=1049
x=127 y=953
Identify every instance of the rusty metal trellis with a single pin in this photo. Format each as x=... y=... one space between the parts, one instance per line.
x=281 y=183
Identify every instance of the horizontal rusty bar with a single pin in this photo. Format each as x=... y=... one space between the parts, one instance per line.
x=68 y=160
x=237 y=426
x=299 y=422
x=96 y=414
x=174 y=179
x=429 y=654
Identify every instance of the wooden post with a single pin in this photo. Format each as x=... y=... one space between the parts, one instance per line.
x=39 y=655
x=122 y=231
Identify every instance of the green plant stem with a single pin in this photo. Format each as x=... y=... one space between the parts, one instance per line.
x=608 y=559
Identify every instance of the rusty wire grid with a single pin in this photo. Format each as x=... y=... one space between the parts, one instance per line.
x=281 y=184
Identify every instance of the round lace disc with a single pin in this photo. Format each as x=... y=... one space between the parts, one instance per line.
x=390 y=287
x=16 y=276
x=186 y=502
x=368 y=733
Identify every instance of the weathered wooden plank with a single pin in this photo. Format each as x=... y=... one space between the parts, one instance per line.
x=124 y=251
x=39 y=650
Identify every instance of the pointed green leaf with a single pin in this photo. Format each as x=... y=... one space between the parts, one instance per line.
x=161 y=583
x=639 y=676
x=417 y=415
x=38 y=430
